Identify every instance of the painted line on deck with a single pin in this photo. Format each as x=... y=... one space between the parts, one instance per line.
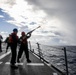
x=0 y=62
x=48 y=64
x=35 y=64
x=42 y=60
x=30 y=64
x=8 y=63
x=2 y=56
x=55 y=74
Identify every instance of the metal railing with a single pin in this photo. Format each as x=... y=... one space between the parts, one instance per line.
x=55 y=55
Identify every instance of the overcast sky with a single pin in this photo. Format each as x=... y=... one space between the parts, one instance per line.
x=57 y=19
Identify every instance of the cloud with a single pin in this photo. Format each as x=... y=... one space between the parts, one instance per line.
x=21 y=15
x=58 y=8
x=56 y=18
x=7 y=3
x=64 y=13
x=1 y=16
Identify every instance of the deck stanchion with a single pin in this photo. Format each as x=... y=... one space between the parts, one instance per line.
x=30 y=45
x=39 y=50
x=66 y=61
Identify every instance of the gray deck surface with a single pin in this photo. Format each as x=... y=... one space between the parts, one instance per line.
x=36 y=67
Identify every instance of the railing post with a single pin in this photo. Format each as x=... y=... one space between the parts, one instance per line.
x=39 y=50
x=30 y=45
x=66 y=61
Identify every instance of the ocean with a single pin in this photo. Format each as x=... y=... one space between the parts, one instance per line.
x=55 y=56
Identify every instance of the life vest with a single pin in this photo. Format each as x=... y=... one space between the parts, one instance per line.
x=23 y=40
x=13 y=38
x=10 y=39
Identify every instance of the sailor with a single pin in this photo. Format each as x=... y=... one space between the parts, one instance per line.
x=24 y=47
x=14 y=41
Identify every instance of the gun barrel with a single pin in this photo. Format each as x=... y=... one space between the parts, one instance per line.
x=33 y=30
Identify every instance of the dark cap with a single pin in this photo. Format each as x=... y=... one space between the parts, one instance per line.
x=15 y=30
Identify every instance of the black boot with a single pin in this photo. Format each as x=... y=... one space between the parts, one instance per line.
x=13 y=66
x=28 y=60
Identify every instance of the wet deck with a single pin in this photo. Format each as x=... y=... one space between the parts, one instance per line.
x=36 y=67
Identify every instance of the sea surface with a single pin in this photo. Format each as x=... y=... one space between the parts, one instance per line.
x=55 y=55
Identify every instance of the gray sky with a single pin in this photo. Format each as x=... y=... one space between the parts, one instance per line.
x=57 y=18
